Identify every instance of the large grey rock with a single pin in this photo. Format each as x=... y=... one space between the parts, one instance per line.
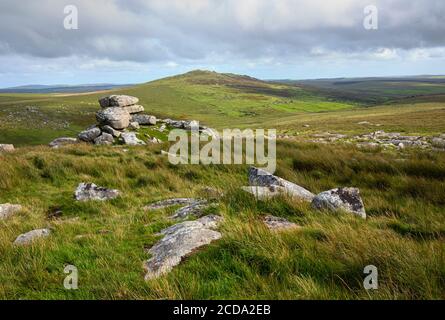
x=63 y=141
x=134 y=109
x=262 y=193
x=279 y=224
x=7 y=210
x=169 y=203
x=179 y=241
x=131 y=139
x=117 y=118
x=30 y=236
x=144 y=119
x=262 y=178
x=110 y=130
x=117 y=101
x=104 y=139
x=6 y=147
x=346 y=199
x=89 y=191
x=89 y=135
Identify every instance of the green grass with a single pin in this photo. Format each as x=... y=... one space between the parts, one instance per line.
x=107 y=241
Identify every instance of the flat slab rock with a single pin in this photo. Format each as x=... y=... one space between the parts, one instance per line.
x=117 y=101
x=179 y=241
x=169 y=203
x=131 y=139
x=30 y=236
x=7 y=210
x=90 y=191
x=279 y=224
x=194 y=209
x=262 y=178
x=63 y=141
x=347 y=199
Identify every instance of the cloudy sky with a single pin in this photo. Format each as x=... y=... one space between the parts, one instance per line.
x=129 y=41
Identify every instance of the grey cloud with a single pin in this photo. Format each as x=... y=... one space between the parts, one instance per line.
x=158 y=30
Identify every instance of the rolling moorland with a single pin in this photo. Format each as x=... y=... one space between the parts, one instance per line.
x=402 y=188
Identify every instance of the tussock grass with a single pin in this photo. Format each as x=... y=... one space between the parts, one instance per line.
x=107 y=241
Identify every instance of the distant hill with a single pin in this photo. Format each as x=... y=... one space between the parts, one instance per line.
x=374 y=90
x=62 y=88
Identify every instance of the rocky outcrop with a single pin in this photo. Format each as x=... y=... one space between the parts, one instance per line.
x=131 y=139
x=262 y=178
x=30 y=236
x=346 y=199
x=89 y=191
x=63 y=141
x=279 y=224
x=7 y=210
x=89 y=135
x=117 y=118
x=179 y=241
x=6 y=148
x=117 y=101
x=144 y=119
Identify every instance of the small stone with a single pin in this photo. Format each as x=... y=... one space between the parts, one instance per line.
x=279 y=224
x=89 y=191
x=89 y=135
x=30 y=236
x=110 y=130
x=134 y=126
x=131 y=139
x=104 y=139
x=6 y=147
x=63 y=141
x=7 y=210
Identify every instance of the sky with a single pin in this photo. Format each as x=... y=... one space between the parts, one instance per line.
x=134 y=41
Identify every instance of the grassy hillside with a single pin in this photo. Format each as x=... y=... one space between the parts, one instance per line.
x=107 y=241
x=375 y=90
x=218 y=100
x=225 y=100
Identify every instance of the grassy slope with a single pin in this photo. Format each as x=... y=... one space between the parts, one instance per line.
x=218 y=100
x=403 y=235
